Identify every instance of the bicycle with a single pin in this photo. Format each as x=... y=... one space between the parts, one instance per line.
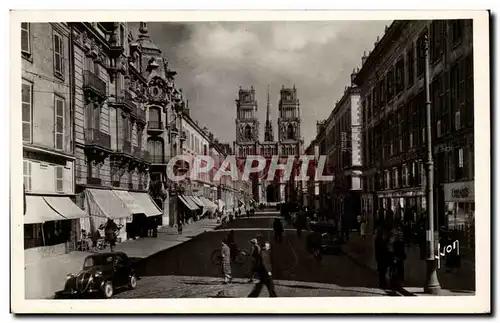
x=240 y=259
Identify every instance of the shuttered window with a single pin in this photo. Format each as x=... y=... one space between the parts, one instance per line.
x=58 y=55
x=25 y=38
x=59 y=178
x=27 y=110
x=59 y=123
x=27 y=175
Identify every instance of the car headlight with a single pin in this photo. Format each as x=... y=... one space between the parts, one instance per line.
x=69 y=276
x=98 y=274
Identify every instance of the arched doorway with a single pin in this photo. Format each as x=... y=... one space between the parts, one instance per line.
x=272 y=193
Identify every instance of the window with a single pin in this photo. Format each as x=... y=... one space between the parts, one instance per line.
x=27 y=110
x=437 y=36
x=27 y=175
x=410 y=61
x=438 y=128
x=457 y=120
x=459 y=168
x=411 y=140
x=395 y=175
x=93 y=116
x=400 y=75
x=59 y=123
x=405 y=175
x=59 y=178
x=139 y=138
x=122 y=35
x=456 y=31
x=387 y=179
x=25 y=38
x=390 y=85
x=421 y=53
x=58 y=55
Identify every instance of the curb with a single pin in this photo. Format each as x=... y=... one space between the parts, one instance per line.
x=401 y=292
x=137 y=259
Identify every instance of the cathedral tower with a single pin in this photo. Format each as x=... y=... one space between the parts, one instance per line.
x=289 y=135
x=247 y=124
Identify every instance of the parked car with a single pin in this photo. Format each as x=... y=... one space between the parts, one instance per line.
x=102 y=274
x=323 y=239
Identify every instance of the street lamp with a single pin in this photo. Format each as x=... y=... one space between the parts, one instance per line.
x=432 y=283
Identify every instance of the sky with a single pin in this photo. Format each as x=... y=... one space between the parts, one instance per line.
x=213 y=59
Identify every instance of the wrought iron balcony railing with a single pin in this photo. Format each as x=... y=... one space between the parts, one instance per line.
x=93 y=83
x=95 y=137
x=157 y=159
x=155 y=125
x=93 y=181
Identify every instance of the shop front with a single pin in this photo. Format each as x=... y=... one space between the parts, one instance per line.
x=151 y=210
x=104 y=204
x=460 y=208
x=50 y=226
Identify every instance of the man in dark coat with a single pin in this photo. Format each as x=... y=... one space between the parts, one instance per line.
x=265 y=273
x=278 y=230
x=382 y=256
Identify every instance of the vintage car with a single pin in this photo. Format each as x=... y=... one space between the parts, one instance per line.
x=102 y=275
x=323 y=239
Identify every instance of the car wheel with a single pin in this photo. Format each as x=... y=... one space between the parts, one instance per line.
x=108 y=289
x=132 y=282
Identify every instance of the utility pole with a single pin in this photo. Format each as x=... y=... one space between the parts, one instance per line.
x=432 y=283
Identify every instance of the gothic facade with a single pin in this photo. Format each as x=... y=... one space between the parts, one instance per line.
x=289 y=141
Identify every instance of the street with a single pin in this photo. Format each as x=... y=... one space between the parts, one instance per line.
x=187 y=270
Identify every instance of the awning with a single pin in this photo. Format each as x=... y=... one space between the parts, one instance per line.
x=65 y=207
x=198 y=201
x=38 y=211
x=147 y=203
x=104 y=203
x=190 y=200
x=187 y=204
x=129 y=202
x=210 y=205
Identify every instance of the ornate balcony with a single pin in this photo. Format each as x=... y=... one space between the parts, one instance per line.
x=125 y=102
x=157 y=159
x=93 y=85
x=155 y=126
x=93 y=181
x=141 y=115
x=97 y=141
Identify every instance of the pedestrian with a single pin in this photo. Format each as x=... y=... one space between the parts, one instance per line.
x=232 y=245
x=248 y=213
x=398 y=259
x=362 y=228
x=255 y=253
x=381 y=257
x=278 y=230
x=265 y=273
x=179 y=226
x=226 y=262
x=110 y=231
x=359 y=218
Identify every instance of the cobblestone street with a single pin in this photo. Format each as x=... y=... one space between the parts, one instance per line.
x=187 y=270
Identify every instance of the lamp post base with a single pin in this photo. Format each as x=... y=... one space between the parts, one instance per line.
x=432 y=285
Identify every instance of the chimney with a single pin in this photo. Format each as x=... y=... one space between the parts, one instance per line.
x=363 y=58
x=353 y=76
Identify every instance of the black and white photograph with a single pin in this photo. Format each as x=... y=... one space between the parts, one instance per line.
x=342 y=157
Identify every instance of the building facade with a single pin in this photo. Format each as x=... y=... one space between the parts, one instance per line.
x=289 y=142
x=341 y=144
x=391 y=82
x=51 y=220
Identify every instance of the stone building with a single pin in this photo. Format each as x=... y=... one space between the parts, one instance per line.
x=340 y=138
x=289 y=141
x=110 y=119
x=51 y=224
x=391 y=82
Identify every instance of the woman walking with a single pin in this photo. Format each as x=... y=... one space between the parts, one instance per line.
x=226 y=261
x=362 y=227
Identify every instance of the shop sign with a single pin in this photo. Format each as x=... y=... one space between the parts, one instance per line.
x=459 y=192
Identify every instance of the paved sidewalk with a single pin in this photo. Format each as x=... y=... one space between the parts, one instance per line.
x=45 y=277
x=461 y=280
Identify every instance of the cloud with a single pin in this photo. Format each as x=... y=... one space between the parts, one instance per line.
x=214 y=58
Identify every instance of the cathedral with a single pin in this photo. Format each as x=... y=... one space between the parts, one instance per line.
x=289 y=141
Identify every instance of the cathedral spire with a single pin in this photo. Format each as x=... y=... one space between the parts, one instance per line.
x=268 y=129
x=268 y=109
